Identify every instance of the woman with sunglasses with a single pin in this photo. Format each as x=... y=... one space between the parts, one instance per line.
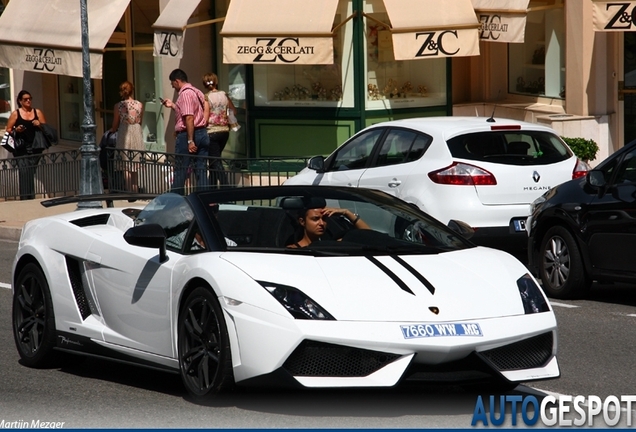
x=23 y=123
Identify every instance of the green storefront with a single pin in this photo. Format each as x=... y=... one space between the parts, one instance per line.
x=292 y=109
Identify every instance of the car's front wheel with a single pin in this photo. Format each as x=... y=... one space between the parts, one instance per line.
x=204 y=346
x=33 y=319
x=561 y=265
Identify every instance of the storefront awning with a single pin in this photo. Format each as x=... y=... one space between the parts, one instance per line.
x=502 y=20
x=279 y=32
x=613 y=16
x=170 y=27
x=433 y=28
x=46 y=36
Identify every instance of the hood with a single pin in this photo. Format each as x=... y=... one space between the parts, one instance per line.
x=468 y=284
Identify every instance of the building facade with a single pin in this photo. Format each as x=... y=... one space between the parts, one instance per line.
x=302 y=89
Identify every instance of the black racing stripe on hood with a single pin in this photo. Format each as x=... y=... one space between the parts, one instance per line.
x=392 y=275
x=415 y=273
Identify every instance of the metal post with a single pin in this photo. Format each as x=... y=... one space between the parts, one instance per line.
x=90 y=176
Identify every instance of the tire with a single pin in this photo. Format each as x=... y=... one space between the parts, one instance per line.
x=205 y=360
x=561 y=265
x=33 y=318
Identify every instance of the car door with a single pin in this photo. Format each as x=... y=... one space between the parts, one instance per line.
x=350 y=161
x=133 y=287
x=611 y=221
x=394 y=161
x=133 y=291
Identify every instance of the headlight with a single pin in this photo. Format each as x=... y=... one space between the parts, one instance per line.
x=531 y=295
x=299 y=305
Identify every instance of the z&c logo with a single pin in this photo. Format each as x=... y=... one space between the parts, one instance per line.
x=43 y=59
x=434 y=43
x=491 y=27
x=622 y=18
x=169 y=44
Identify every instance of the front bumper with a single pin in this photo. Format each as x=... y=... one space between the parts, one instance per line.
x=365 y=354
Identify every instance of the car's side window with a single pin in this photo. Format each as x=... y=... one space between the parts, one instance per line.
x=419 y=147
x=395 y=148
x=627 y=170
x=355 y=154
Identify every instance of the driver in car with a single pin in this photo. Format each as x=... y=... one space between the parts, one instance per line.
x=313 y=221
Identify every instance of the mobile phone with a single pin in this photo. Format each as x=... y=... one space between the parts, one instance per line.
x=162 y=100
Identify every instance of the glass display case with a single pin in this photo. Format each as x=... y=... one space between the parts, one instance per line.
x=311 y=85
x=5 y=97
x=146 y=92
x=537 y=66
x=399 y=84
x=71 y=94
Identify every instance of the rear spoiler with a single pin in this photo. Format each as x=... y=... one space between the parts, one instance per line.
x=109 y=198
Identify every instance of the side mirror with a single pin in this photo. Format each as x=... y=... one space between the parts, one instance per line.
x=461 y=228
x=149 y=236
x=596 y=179
x=317 y=163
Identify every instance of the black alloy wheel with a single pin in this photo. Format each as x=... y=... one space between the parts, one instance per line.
x=33 y=318
x=204 y=346
x=561 y=266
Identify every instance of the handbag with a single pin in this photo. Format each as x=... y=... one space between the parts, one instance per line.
x=44 y=138
x=39 y=141
x=8 y=142
x=50 y=133
x=234 y=124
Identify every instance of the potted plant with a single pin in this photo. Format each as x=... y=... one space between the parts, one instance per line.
x=584 y=149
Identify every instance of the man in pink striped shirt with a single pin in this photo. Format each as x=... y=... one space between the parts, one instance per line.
x=190 y=129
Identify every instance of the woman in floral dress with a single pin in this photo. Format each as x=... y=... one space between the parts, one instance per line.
x=127 y=122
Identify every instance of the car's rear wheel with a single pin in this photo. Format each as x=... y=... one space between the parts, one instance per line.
x=561 y=265
x=204 y=346
x=33 y=318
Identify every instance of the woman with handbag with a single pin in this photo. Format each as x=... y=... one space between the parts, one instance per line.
x=218 y=126
x=23 y=123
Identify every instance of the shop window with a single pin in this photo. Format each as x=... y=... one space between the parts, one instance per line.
x=311 y=85
x=537 y=66
x=5 y=97
x=398 y=84
x=145 y=91
x=71 y=93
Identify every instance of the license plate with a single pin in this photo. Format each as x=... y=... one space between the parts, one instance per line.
x=519 y=224
x=440 y=330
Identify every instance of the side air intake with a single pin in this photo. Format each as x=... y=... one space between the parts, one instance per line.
x=101 y=219
x=75 y=276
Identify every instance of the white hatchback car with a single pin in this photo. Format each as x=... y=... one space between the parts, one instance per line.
x=485 y=172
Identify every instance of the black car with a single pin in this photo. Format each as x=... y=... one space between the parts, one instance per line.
x=585 y=229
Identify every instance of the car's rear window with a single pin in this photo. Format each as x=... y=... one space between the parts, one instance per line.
x=510 y=147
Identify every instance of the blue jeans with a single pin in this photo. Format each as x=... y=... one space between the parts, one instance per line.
x=184 y=159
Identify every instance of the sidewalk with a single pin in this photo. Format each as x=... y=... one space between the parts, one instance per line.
x=14 y=214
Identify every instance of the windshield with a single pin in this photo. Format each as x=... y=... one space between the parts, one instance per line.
x=331 y=220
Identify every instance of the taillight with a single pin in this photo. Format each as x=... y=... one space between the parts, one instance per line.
x=580 y=169
x=463 y=174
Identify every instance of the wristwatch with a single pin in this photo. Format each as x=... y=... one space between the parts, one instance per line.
x=190 y=141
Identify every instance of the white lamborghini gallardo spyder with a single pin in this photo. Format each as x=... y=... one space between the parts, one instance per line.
x=207 y=286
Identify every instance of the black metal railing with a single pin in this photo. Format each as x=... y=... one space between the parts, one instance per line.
x=58 y=173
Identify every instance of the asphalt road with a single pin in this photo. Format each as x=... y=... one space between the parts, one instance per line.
x=596 y=354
